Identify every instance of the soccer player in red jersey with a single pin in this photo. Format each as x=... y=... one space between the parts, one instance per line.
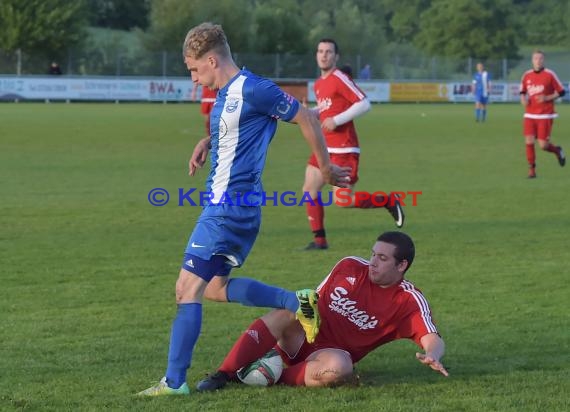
x=539 y=88
x=363 y=304
x=339 y=102
x=207 y=101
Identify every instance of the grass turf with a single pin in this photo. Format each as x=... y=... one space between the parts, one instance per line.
x=88 y=265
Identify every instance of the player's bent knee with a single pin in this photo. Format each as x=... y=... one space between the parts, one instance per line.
x=179 y=290
x=216 y=290
x=329 y=367
x=282 y=316
x=312 y=189
x=189 y=287
x=340 y=379
x=331 y=377
x=215 y=296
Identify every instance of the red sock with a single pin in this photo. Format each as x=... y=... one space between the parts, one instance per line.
x=255 y=342
x=294 y=375
x=552 y=149
x=371 y=201
x=530 y=155
x=316 y=215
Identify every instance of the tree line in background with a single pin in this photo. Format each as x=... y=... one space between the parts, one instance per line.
x=485 y=29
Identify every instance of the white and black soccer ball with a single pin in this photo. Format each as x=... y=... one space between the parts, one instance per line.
x=263 y=372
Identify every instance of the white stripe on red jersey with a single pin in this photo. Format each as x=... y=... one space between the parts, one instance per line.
x=349 y=83
x=422 y=303
x=541 y=116
x=343 y=150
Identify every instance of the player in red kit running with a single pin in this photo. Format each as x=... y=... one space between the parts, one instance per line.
x=363 y=304
x=207 y=100
x=339 y=102
x=539 y=88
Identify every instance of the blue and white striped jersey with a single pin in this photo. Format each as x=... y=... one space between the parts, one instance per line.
x=242 y=124
x=481 y=83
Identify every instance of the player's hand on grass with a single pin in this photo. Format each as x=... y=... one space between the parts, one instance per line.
x=432 y=363
x=337 y=176
x=199 y=155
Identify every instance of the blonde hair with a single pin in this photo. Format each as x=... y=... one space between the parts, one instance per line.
x=204 y=38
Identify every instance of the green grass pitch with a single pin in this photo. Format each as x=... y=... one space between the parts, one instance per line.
x=88 y=265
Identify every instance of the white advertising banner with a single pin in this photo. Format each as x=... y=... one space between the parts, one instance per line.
x=513 y=92
x=500 y=92
x=170 y=90
x=376 y=91
x=178 y=90
x=61 y=88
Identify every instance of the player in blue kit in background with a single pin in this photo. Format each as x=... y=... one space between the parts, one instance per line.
x=243 y=123
x=481 y=88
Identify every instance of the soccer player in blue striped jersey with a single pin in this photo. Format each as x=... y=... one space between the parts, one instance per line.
x=481 y=89
x=242 y=124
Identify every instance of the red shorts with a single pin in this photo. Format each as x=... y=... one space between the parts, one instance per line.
x=344 y=159
x=206 y=108
x=539 y=128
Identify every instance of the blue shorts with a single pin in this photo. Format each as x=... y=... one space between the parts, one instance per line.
x=481 y=99
x=225 y=230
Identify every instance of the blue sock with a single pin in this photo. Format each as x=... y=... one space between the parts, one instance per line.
x=477 y=114
x=250 y=292
x=185 y=331
x=483 y=114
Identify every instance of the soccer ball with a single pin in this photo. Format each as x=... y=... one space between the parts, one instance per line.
x=263 y=372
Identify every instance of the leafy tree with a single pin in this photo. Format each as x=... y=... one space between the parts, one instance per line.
x=277 y=27
x=43 y=27
x=402 y=18
x=544 y=21
x=170 y=20
x=463 y=28
x=119 y=14
x=10 y=21
x=356 y=31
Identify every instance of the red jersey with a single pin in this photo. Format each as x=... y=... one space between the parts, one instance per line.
x=534 y=84
x=358 y=315
x=336 y=93
x=208 y=95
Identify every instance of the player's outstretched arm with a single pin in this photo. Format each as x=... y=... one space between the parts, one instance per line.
x=355 y=110
x=434 y=348
x=311 y=130
x=199 y=155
